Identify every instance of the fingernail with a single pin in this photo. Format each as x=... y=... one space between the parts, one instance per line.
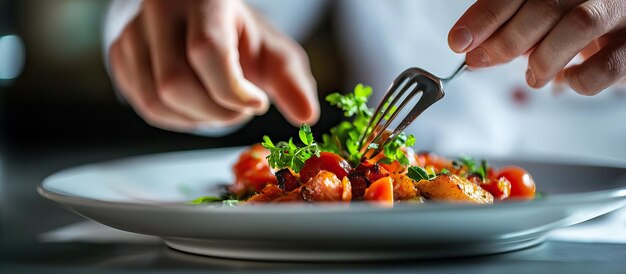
x=460 y=39
x=478 y=58
x=530 y=77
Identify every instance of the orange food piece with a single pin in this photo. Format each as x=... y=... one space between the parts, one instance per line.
x=380 y=192
x=268 y=194
x=453 y=188
x=346 y=194
x=252 y=171
x=427 y=159
x=396 y=167
x=403 y=187
x=323 y=187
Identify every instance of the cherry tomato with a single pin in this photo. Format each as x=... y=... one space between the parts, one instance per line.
x=327 y=161
x=252 y=171
x=499 y=188
x=380 y=192
x=522 y=184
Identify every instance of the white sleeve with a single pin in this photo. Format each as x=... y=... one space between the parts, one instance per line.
x=118 y=15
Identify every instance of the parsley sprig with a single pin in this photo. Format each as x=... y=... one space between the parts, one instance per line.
x=288 y=154
x=473 y=166
x=344 y=138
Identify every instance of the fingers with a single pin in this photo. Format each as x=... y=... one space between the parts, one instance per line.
x=524 y=30
x=212 y=51
x=580 y=27
x=132 y=71
x=600 y=71
x=289 y=81
x=479 y=22
x=176 y=84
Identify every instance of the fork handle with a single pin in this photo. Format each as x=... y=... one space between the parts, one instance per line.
x=462 y=68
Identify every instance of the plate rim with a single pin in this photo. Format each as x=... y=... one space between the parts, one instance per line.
x=553 y=199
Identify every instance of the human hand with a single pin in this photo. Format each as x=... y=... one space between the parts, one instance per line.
x=553 y=32
x=189 y=64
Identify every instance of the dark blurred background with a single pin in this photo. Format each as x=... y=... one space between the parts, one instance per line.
x=61 y=109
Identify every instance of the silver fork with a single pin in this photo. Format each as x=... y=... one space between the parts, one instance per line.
x=410 y=83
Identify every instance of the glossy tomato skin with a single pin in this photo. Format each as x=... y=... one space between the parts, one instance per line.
x=327 y=161
x=500 y=188
x=522 y=184
x=252 y=171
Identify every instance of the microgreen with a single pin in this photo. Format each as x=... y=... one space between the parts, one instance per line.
x=288 y=154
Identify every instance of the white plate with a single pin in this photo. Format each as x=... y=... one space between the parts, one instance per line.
x=147 y=195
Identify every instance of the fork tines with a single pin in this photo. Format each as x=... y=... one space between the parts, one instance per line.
x=403 y=89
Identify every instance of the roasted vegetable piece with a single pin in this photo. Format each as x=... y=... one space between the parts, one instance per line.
x=292 y=196
x=448 y=187
x=359 y=183
x=252 y=172
x=287 y=180
x=403 y=187
x=327 y=161
x=372 y=172
x=380 y=192
x=363 y=175
x=268 y=194
x=325 y=186
x=346 y=192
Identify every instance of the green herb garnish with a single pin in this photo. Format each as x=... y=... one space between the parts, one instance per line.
x=473 y=167
x=226 y=200
x=206 y=200
x=418 y=173
x=289 y=155
x=344 y=138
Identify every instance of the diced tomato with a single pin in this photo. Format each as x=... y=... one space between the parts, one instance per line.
x=522 y=184
x=424 y=159
x=327 y=161
x=499 y=188
x=252 y=171
x=381 y=192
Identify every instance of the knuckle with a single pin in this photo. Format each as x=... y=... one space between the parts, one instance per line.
x=170 y=84
x=509 y=48
x=207 y=43
x=588 y=19
x=489 y=17
x=554 y=5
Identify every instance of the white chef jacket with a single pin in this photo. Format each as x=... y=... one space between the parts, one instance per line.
x=489 y=112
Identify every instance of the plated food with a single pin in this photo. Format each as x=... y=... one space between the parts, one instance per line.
x=338 y=170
